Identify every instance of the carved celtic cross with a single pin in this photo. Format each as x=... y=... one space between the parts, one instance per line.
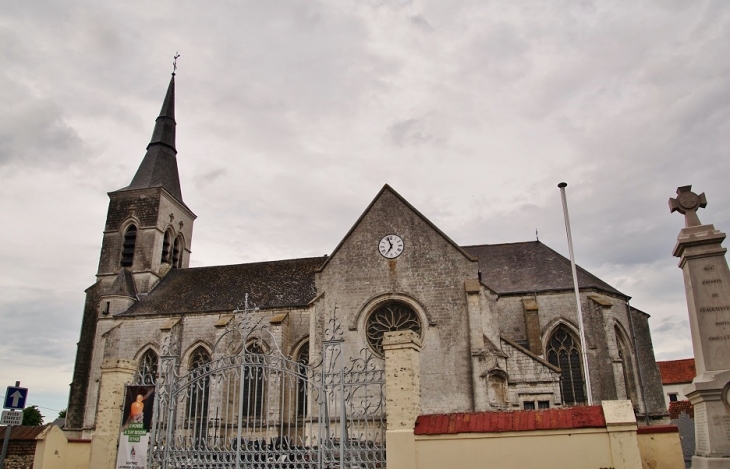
x=687 y=203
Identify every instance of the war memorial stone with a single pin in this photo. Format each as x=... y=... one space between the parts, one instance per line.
x=707 y=286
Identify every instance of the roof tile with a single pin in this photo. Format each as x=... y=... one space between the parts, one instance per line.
x=677 y=371
x=521 y=420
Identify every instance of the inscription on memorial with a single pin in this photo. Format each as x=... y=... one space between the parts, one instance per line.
x=709 y=282
x=722 y=421
x=701 y=443
x=712 y=309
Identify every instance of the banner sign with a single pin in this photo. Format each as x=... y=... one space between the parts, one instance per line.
x=134 y=435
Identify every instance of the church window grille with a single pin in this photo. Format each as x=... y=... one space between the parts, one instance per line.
x=563 y=352
x=177 y=253
x=543 y=404
x=253 y=382
x=392 y=316
x=130 y=239
x=528 y=405
x=302 y=381
x=147 y=368
x=166 y=242
x=197 y=408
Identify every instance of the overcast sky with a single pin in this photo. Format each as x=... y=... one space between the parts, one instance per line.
x=293 y=114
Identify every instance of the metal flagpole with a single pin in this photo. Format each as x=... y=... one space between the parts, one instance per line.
x=583 y=347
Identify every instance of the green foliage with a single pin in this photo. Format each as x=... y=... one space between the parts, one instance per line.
x=32 y=416
x=62 y=414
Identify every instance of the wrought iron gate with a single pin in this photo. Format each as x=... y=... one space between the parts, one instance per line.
x=250 y=406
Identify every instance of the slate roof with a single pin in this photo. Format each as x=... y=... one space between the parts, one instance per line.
x=677 y=371
x=506 y=269
x=529 y=267
x=222 y=288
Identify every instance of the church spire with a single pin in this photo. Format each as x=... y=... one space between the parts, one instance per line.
x=159 y=166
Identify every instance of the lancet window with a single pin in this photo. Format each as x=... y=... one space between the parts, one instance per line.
x=563 y=352
x=147 y=367
x=166 y=248
x=177 y=253
x=302 y=380
x=253 y=381
x=197 y=409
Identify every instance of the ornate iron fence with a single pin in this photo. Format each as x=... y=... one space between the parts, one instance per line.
x=250 y=406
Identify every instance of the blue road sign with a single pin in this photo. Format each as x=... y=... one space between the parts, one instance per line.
x=15 y=398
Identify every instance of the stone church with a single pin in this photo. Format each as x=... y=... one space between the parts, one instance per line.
x=497 y=322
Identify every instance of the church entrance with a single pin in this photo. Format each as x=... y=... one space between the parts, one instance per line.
x=250 y=406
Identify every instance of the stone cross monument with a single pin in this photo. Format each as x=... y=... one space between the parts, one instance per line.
x=707 y=285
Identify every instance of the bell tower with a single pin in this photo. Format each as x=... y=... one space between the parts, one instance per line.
x=148 y=232
x=148 y=228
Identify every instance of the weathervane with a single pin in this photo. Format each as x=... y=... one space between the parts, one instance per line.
x=174 y=63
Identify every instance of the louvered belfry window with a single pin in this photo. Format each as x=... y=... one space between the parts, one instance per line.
x=166 y=241
x=177 y=253
x=130 y=239
x=563 y=352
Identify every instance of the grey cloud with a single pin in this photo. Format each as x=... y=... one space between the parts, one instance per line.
x=420 y=22
x=34 y=131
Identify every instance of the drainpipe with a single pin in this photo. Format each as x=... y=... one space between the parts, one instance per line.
x=638 y=363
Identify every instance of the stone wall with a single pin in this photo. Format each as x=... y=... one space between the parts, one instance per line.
x=602 y=314
x=20 y=455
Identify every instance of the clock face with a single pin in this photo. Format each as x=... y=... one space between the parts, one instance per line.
x=391 y=246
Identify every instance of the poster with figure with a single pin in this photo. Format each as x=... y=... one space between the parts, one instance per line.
x=134 y=434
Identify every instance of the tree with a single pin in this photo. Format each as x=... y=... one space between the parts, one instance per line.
x=32 y=416
x=62 y=414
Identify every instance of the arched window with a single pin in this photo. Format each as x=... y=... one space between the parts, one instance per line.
x=199 y=382
x=563 y=352
x=147 y=367
x=391 y=316
x=130 y=239
x=166 y=246
x=177 y=253
x=253 y=380
x=626 y=365
x=302 y=380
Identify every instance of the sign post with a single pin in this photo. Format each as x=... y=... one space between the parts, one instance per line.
x=15 y=398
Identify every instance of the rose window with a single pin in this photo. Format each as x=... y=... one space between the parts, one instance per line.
x=391 y=316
